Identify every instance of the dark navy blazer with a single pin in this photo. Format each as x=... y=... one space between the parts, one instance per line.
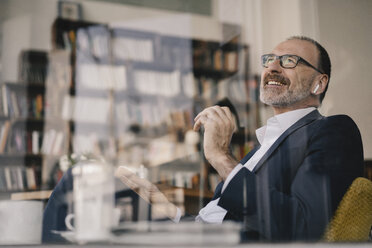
x=296 y=187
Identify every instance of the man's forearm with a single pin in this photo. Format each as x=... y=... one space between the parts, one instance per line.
x=223 y=164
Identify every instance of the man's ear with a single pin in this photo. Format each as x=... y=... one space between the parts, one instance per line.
x=320 y=85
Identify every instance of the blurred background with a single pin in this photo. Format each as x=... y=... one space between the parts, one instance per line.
x=124 y=79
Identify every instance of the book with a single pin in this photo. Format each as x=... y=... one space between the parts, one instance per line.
x=128 y=48
x=4 y=102
x=231 y=61
x=57 y=147
x=14 y=100
x=31 y=178
x=4 y=135
x=8 y=178
x=3 y=184
x=20 y=182
x=158 y=82
x=100 y=43
x=35 y=142
x=101 y=77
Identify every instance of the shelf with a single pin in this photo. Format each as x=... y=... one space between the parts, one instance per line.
x=157 y=66
x=33 y=195
x=163 y=55
x=90 y=92
x=28 y=119
x=180 y=164
x=196 y=193
x=214 y=45
x=20 y=158
x=25 y=159
x=21 y=85
x=212 y=73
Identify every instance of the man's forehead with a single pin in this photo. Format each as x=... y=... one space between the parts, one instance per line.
x=302 y=48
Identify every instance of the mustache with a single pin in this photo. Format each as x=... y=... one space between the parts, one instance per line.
x=277 y=78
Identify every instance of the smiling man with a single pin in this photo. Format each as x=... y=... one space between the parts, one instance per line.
x=300 y=87
x=289 y=187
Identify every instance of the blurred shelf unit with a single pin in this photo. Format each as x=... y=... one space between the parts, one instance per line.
x=127 y=85
x=130 y=96
x=27 y=137
x=21 y=136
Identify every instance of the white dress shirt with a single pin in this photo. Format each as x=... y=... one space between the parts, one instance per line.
x=266 y=135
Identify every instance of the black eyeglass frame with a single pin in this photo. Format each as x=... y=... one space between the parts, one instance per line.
x=299 y=59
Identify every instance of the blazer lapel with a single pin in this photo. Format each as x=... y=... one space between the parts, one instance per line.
x=312 y=116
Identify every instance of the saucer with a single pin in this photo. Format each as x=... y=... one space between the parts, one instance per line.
x=68 y=235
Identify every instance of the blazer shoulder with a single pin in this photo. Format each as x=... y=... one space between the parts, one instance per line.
x=339 y=121
x=340 y=118
x=340 y=126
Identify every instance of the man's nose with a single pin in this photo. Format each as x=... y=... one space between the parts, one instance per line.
x=274 y=66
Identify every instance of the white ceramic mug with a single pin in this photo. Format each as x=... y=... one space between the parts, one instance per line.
x=68 y=223
x=115 y=220
x=20 y=222
x=93 y=201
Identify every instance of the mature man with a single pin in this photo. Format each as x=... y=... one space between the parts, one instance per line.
x=288 y=187
x=296 y=178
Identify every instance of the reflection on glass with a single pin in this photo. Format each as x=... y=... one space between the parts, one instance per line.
x=133 y=97
x=124 y=85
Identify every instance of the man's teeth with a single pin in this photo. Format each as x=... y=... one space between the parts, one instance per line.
x=274 y=83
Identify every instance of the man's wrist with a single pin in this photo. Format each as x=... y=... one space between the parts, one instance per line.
x=223 y=164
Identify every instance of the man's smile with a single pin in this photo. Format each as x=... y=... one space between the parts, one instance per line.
x=273 y=80
x=274 y=83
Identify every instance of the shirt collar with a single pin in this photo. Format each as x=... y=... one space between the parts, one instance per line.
x=285 y=120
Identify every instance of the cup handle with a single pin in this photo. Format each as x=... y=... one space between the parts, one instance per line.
x=68 y=224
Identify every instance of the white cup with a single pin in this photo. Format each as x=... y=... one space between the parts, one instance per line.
x=115 y=220
x=20 y=222
x=93 y=201
x=68 y=223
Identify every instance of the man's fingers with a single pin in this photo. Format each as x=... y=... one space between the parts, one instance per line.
x=214 y=112
x=122 y=171
x=230 y=116
x=131 y=179
x=128 y=182
x=201 y=121
x=146 y=190
x=221 y=114
x=197 y=126
x=205 y=112
x=227 y=112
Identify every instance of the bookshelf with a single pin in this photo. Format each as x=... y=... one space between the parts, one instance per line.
x=21 y=136
x=131 y=97
x=31 y=139
x=157 y=84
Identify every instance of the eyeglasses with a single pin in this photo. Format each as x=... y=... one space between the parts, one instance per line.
x=287 y=61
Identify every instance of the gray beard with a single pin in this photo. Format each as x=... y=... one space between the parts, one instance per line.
x=285 y=99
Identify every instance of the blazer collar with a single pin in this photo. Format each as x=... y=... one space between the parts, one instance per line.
x=312 y=116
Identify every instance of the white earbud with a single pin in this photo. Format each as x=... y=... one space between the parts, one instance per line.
x=316 y=88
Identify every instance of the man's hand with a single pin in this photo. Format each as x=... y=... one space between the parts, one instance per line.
x=219 y=125
x=148 y=191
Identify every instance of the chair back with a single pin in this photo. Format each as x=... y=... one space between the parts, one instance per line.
x=353 y=218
